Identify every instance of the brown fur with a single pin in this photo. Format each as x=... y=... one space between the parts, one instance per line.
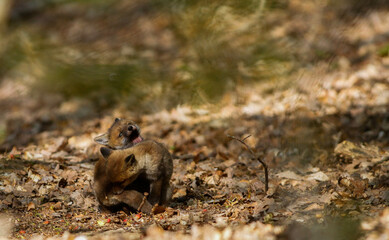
x=108 y=200
x=120 y=135
x=151 y=162
x=121 y=174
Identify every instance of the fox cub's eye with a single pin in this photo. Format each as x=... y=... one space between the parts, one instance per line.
x=120 y=134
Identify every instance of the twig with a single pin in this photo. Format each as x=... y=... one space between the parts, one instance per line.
x=253 y=155
x=143 y=201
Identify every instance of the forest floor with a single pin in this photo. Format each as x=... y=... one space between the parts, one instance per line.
x=326 y=149
x=325 y=141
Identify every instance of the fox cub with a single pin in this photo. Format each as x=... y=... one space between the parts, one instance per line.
x=121 y=176
x=121 y=135
x=106 y=191
x=148 y=164
x=148 y=161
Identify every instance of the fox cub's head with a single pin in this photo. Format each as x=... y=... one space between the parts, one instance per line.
x=122 y=168
x=122 y=134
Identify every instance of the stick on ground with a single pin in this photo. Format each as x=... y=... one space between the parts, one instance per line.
x=143 y=201
x=255 y=157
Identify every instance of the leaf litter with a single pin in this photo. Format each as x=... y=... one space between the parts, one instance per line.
x=219 y=189
x=327 y=150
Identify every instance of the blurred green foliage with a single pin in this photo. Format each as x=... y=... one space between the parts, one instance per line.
x=156 y=54
x=11 y=53
x=215 y=46
x=384 y=50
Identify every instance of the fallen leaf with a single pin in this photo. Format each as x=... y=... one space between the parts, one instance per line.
x=318 y=176
x=57 y=206
x=289 y=175
x=313 y=206
x=31 y=205
x=101 y=223
x=180 y=193
x=34 y=177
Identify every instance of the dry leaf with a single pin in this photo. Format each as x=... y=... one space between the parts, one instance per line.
x=318 y=176
x=31 y=205
x=289 y=175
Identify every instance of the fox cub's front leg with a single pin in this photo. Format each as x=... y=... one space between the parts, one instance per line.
x=166 y=193
x=132 y=198
x=155 y=192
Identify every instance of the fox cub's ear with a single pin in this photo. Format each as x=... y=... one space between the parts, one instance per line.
x=102 y=139
x=105 y=152
x=130 y=160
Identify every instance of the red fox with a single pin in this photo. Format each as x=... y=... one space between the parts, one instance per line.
x=147 y=162
x=121 y=176
x=135 y=167
x=107 y=195
x=122 y=134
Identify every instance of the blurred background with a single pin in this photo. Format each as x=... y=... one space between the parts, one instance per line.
x=84 y=57
x=137 y=52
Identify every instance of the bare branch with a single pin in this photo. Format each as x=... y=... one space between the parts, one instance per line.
x=255 y=157
x=242 y=141
x=246 y=138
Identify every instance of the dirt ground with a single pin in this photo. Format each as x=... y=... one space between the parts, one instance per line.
x=321 y=174
x=325 y=141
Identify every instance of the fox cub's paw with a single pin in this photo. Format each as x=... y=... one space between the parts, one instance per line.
x=158 y=209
